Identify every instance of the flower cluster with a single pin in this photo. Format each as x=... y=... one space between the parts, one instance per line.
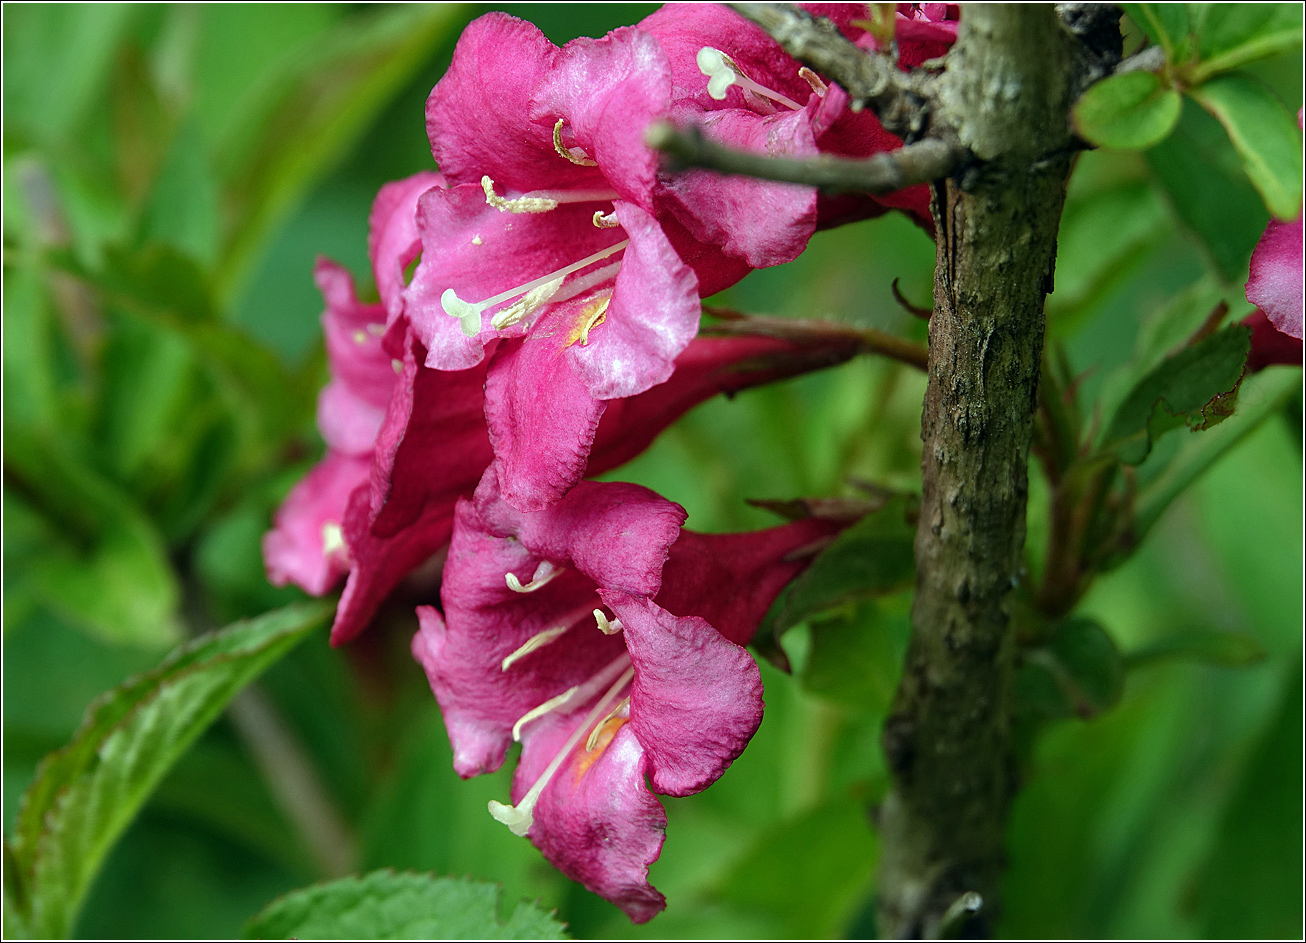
x=548 y=332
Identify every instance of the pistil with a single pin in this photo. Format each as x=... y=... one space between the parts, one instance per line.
x=722 y=72
x=520 y=817
x=469 y=313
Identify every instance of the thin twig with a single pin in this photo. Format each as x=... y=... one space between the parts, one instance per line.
x=868 y=339
x=922 y=162
x=898 y=98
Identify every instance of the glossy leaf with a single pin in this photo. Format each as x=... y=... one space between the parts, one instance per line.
x=86 y=794
x=1203 y=177
x=870 y=558
x=1230 y=35
x=1166 y=24
x=384 y=905
x=1134 y=110
x=1265 y=136
x=1195 y=387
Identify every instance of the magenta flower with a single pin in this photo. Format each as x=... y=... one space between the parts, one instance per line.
x=607 y=640
x=1275 y=282
x=434 y=447
x=1270 y=346
x=306 y=545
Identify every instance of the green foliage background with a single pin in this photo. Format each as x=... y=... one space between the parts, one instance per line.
x=170 y=173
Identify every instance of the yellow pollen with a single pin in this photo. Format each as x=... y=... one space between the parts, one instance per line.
x=524 y=204
x=573 y=154
x=333 y=539
x=360 y=337
x=397 y=366
x=476 y=240
x=592 y=314
x=604 y=220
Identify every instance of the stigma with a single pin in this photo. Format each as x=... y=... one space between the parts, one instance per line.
x=722 y=72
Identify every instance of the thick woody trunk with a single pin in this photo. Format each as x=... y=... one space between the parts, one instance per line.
x=1007 y=91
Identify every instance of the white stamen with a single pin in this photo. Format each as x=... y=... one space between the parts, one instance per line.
x=593 y=741
x=552 y=704
x=360 y=337
x=575 y=695
x=525 y=306
x=470 y=313
x=574 y=154
x=722 y=72
x=606 y=220
x=376 y=330
x=540 y=639
x=333 y=539
x=545 y=573
x=397 y=366
x=606 y=627
x=520 y=817
x=477 y=240
x=814 y=80
x=542 y=201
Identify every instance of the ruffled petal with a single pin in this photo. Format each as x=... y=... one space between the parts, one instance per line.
x=696 y=700
x=596 y=821
x=349 y=409
x=541 y=417
x=392 y=240
x=294 y=550
x=1275 y=282
x=608 y=91
x=653 y=315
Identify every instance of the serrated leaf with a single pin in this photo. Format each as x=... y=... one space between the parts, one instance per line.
x=1203 y=177
x=1077 y=670
x=872 y=557
x=1166 y=24
x=1195 y=387
x=86 y=794
x=1230 y=35
x=1203 y=645
x=107 y=569
x=1265 y=136
x=1134 y=110
x=384 y=905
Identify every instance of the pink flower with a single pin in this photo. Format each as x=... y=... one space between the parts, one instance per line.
x=1275 y=282
x=607 y=640
x=1270 y=346
x=434 y=447
x=306 y=545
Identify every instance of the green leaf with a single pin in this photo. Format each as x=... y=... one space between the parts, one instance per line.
x=1133 y=110
x=1164 y=23
x=872 y=557
x=1265 y=136
x=1203 y=177
x=1262 y=396
x=87 y=793
x=1233 y=34
x=1203 y=645
x=384 y=905
x=326 y=102
x=1195 y=387
x=1077 y=670
x=855 y=657
x=107 y=569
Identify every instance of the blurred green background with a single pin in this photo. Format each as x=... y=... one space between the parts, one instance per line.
x=170 y=173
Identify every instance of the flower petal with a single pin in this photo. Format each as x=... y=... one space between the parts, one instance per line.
x=596 y=821
x=294 y=550
x=697 y=697
x=350 y=408
x=653 y=315
x=392 y=240
x=1275 y=282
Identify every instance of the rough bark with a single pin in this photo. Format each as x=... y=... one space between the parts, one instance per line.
x=1007 y=91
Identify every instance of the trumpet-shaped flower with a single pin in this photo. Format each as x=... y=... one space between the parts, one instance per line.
x=607 y=640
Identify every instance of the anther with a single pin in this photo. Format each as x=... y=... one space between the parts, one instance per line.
x=606 y=220
x=814 y=80
x=397 y=366
x=333 y=539
x=542 y=201
x=578 y=694
x=545 y=573
x=722 y=72
x=360 y=337
x=552 y=704
x=573 y=154
x=527 y=305
x=376 y=330
x=605 y=626
x=599 y=728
